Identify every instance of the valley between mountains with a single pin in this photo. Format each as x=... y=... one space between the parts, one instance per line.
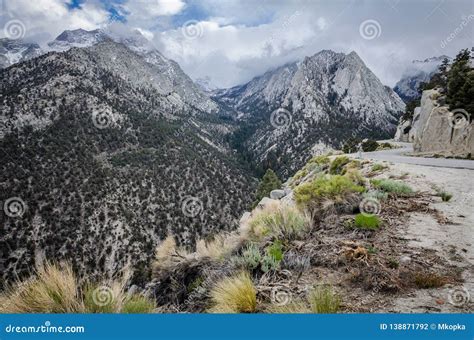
x=114 y=160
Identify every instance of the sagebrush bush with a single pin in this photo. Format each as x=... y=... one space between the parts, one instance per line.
x=236 y=294
x=335 y=188
x=279 y=221
x=337 y=166
x=371 y=222
x=377 y=194
x=323 y=299
x=391 y=186
x=252 y=258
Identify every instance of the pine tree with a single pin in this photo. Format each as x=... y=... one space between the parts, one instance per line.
x=269 y=182
x=460 y=83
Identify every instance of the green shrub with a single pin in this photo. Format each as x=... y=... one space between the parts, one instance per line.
x=326 y=187
x=337 y=165
x=369 y=145
x=320 y=160
x=252 y=258
x=323 y=299
x=367 y=222
x=138 y=304
x=392 y=186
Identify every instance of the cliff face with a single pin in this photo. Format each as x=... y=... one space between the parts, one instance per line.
x=436 y=129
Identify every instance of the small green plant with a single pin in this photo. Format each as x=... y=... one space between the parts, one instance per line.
x=138 y=304
x=251 y=257
x=378 y=167
x=372 y=250
x=323 y=299
x=326 y=187
x=236 y=294
x=370 y=222
x=391 y=186
x=393 y=263
x=275 y=250
x=338 y=165
x=445 y=196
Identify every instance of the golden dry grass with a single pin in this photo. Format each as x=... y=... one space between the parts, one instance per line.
x=53 y=290
x=236 y=294
x=279 y=220
x=296 y=307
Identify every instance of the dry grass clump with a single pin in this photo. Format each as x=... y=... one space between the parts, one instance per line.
x=236 y=294
x=296 y=307
x=323 y=299
x=219 y=247
x=279 y=221
x=429 y=280
x=55 y=289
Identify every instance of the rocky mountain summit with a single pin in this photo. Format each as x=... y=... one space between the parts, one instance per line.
x=15 y=51
x=311 y=106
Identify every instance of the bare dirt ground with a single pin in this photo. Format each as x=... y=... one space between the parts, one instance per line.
x=452 y=241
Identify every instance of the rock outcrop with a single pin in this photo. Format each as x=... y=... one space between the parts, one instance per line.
x=437 y=130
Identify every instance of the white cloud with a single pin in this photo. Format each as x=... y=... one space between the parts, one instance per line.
x=148 y=9
x=45 y=19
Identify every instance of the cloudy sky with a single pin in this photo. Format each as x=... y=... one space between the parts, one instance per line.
x=232 y=41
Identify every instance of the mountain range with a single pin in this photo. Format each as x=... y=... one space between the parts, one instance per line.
x=107 y=146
